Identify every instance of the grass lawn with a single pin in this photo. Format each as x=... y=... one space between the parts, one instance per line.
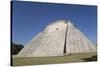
x=54 y=60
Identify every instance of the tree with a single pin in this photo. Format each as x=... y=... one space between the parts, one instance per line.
x=15 y=48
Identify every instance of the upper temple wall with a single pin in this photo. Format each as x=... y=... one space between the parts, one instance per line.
x=59 y=25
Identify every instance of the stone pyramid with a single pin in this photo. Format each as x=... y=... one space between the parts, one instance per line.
x=58 y=39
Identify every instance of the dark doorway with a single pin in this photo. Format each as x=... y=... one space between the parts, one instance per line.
x=57 y=29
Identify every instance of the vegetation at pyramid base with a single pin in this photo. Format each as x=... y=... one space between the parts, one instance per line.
x=15 y=48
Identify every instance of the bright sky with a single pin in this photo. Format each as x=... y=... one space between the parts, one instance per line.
x=29 y=18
